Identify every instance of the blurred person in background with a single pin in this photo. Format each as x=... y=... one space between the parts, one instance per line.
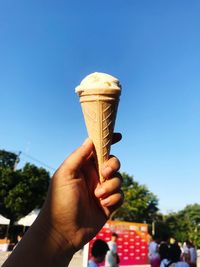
x=112 y=258
x=154 y=257
x=175 y=257
x=99 y=250
x=164 y=254
x=193 y=254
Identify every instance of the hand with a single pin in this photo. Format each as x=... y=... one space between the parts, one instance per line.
x=77 y=205
x=76 y=208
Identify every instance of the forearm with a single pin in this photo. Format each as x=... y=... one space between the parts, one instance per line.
x=42 y=248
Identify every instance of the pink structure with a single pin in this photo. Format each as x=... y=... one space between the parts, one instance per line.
x=132 y=242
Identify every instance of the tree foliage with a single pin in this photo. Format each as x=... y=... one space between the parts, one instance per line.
x=185 y=224
x=7 y=159
x=22 y=190
x=140 y=205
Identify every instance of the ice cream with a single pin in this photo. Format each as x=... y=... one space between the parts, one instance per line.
x=98 y=80
x=99 y=96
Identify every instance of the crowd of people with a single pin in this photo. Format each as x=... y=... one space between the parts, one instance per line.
x=172 y=254
x=161 y=254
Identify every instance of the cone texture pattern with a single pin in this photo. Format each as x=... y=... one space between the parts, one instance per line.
x=99 y=115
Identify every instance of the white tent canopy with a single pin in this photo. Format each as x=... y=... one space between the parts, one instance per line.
x=4 y=220
x=29 y=219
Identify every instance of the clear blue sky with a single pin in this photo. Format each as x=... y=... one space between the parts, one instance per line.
x=153 y=47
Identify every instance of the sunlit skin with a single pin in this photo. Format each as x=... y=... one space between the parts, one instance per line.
x=76 y=208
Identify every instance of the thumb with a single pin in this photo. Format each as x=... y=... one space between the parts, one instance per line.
x=73 y=163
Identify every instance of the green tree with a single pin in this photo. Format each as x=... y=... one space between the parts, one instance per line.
x=23 y=190
x=8 y=159
x=140 y=205
x=185 y=224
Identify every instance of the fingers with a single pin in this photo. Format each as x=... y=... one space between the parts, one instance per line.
x=73 y=163
x=114 y=200
x=109 y=192
x=109 y=187
x=110 y=167
x=80 y=155
x=116 y=137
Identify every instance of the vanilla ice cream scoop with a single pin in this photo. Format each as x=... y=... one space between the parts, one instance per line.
x=98 y=80
x=99 y=97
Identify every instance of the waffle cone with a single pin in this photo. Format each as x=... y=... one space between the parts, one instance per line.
x=99 y=110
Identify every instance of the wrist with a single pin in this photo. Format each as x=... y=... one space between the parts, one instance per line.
x=53 y=241
x=41 y=246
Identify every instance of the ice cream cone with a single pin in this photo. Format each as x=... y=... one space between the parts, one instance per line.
x=99 y=112
x=99 y=108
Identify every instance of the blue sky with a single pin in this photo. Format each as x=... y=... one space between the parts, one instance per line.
x=153 y=47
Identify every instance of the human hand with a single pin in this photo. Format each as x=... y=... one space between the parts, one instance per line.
x=77 y=205
x=76 y=208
